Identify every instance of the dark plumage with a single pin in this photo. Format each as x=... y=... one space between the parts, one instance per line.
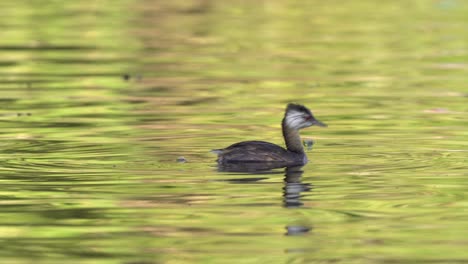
x=295 y=118
x=256 y=151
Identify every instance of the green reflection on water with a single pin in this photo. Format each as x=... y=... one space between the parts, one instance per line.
x=88 y=159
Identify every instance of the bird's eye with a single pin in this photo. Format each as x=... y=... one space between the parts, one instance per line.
x=307 y=117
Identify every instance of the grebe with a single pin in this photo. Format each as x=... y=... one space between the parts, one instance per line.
x=295 y=118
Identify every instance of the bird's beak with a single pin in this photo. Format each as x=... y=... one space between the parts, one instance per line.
x=318 y=123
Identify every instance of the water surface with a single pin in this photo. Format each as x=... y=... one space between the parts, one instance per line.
x=99 y=100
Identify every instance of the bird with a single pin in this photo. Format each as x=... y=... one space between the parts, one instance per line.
x=296 y=117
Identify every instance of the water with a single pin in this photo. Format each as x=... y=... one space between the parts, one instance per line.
x=100 y=99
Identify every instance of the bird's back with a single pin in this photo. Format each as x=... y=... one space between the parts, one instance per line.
x=258 y=151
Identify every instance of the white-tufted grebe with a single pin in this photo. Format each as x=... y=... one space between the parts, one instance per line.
x=295 y=118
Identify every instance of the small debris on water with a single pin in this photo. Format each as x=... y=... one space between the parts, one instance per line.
x=126 y=77
x=308 y=143
x=181 y=159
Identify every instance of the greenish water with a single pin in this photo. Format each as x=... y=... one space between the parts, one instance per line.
x=88 y=165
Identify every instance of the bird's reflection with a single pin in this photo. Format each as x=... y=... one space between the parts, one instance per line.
x=293 y=186
x=292 y=189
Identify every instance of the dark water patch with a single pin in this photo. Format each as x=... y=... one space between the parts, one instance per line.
x=4 y=63
x=8 y=100
x=23 y=82
x=135 y=101
x=73 y=213
x=198 y=101
x=80 y=61
x=61 y=74
x=38 y=124
x=246 y=180
x=46 y=47
x=159 y=89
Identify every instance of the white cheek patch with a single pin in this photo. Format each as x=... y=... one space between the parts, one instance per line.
x=294 y=119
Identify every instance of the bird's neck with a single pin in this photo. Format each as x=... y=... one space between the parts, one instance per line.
x=292 y=139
